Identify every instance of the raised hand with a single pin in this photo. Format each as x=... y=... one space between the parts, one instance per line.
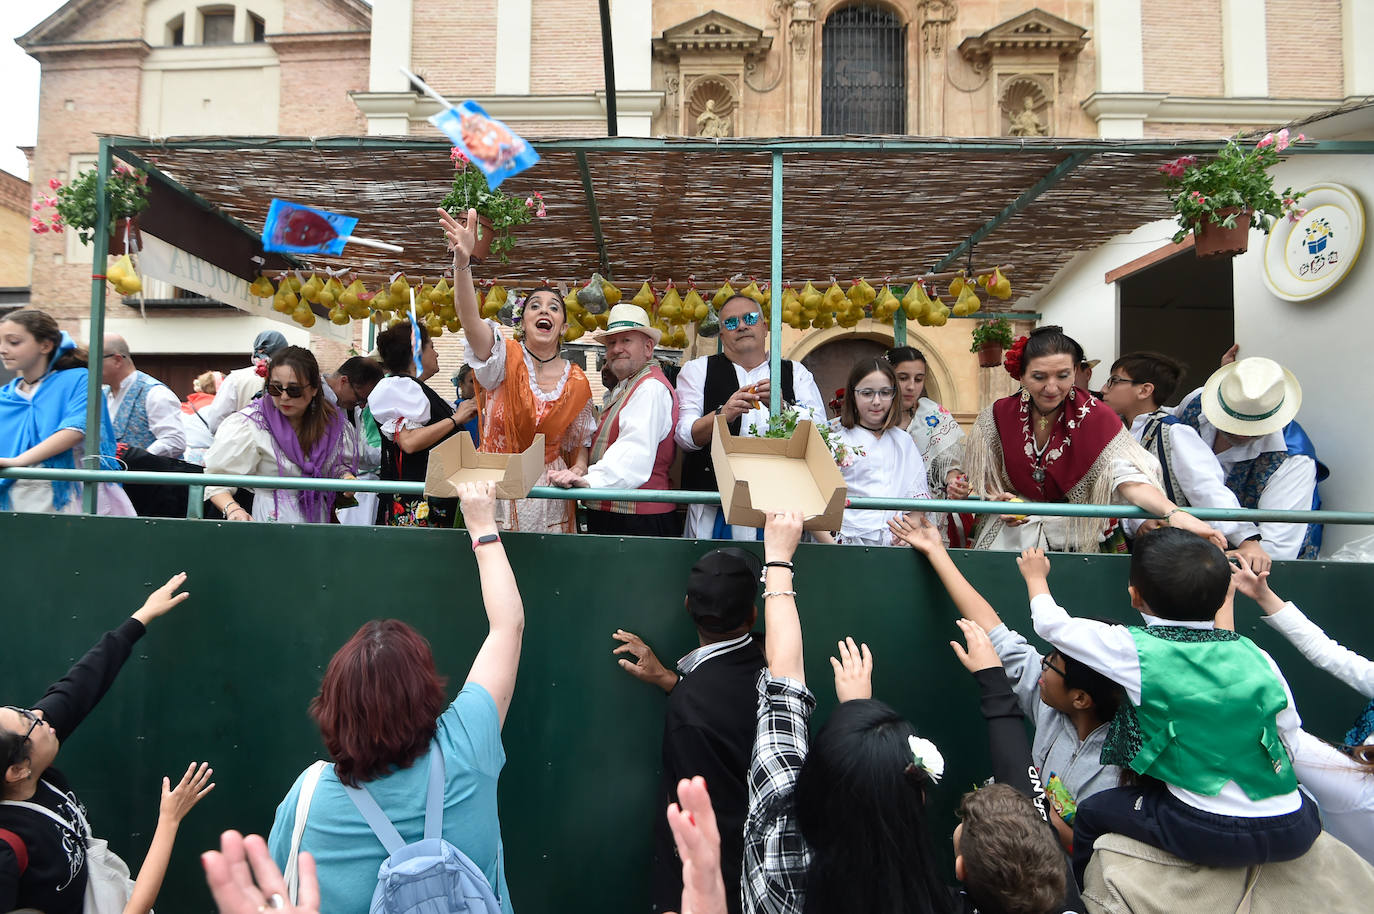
x=162 y=600
x=781 y=533
x=980 y=654
x=918 y=533
x=693 y=821
x=645 y=666
x=245 y=880
x=461 y=236
x=195 y=784
x=1034 y=565
x=853 y=671
x=478 y=501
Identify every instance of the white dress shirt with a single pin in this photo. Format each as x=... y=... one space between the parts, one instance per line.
x=1110 y=650
x=645 y=420
x=1290 y=488
x=235 y=391
x=691 y=391
x=164 y=416
x=1199 y=475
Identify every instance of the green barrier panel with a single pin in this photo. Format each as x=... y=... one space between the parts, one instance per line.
x=227 y=676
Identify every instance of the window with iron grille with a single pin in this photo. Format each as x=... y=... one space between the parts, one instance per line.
x=863 y=72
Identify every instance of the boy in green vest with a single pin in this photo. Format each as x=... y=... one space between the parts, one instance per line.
x=1207 y=719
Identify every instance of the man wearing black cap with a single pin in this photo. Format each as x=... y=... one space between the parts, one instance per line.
x=242 y=385
x=708 y=726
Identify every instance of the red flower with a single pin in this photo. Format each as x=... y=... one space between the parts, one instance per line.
x=39 y=226
x=54 y=183
x=1012 y=360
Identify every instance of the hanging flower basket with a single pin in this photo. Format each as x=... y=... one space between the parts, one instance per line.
x=1214 y=239
x=989 y=355
x=125 y=229
x=486 y=234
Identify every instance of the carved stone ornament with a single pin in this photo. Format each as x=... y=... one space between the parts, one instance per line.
x=711 y=107
x=1035 y=33
x=711 y=32
x=935 y=17
x=1027 y=107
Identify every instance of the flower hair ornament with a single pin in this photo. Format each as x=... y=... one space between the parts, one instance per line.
x=1012 y=360
x=512 y=312
x=925 y=758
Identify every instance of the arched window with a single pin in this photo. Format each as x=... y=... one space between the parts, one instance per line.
x=863 y=75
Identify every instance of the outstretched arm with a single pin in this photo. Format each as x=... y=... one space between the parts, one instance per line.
x=1150 y=497
x=783 y=634
x=922 y=536
x=176 y=803
x=59 y=442
x=462 y=237
x=498 y=660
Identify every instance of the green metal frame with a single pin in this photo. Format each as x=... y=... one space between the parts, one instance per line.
x=590 y=192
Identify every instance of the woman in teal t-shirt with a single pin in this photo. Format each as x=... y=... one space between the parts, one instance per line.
x=381 y=704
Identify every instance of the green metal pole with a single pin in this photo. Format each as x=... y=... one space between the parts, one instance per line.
x=899 y=328
x=775 y=296
x=95 y=395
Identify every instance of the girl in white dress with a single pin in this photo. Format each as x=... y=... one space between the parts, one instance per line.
x=890 y=464
x=292 y=430
x=939 y=438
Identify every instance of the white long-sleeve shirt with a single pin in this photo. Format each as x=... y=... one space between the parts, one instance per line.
x=1111 y=650
x=1323 y=651
x=691 y=392
x=1199 y=475
x=235 y=391
x=164 y=416
x=645 y=420
x=1290 y=488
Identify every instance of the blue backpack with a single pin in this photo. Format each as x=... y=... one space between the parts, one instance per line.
x=430 y=876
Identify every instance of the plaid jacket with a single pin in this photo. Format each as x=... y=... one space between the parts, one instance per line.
x=776 y=857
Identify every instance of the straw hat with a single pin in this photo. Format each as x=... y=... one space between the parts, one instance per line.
x=1251 y=397
x=625 y=317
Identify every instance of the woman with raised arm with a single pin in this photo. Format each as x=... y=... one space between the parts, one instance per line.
x=384 y=716
x=43 y=822
x=837 y=826
x=1054 y=442
x=526 y=387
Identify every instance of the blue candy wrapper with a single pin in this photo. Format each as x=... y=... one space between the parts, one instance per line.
x=489 y=144
x=294 y=228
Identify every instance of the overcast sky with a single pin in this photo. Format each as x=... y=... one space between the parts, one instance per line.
x=19 y=76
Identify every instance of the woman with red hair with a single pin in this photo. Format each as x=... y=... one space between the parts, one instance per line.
x=382 y=708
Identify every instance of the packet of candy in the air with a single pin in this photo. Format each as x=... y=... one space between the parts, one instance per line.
x=492 y=146
x=1061 y=799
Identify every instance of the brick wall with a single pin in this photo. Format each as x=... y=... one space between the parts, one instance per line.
x=565 y=48
x=1182 y=46
x=316 y=77
x=453 y=45
x=1191 y=131
x=1305 y=53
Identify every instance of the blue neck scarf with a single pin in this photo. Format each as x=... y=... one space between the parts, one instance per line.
x=59 y=403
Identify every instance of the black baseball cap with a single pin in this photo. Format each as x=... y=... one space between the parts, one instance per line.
x=722 y=587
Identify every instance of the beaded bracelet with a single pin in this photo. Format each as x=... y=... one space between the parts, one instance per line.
x=779 y=593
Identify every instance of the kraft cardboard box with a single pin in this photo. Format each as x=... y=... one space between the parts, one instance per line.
x=456 y=460
x=758 y=476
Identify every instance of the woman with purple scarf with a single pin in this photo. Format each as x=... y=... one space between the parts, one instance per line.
x=292 y=430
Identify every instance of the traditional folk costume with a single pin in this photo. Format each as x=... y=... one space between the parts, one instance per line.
x=941 y=441
x=890 y=466
x=29 y=417
x=259 y=441
x=404 y=401
x=514 y=408
x=147 y=414
x=633 y=448
x=1088 y=455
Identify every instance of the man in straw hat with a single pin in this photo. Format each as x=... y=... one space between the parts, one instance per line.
x=734 y=383
x=633 y=445
x=1242 y=413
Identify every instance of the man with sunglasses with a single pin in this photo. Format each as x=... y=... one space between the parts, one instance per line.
x=43 y=830
x=734 y=384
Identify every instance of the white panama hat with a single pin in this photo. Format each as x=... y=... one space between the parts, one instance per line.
x=625 y=317
x=1251 y=397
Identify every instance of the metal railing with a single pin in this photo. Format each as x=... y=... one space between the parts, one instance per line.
x=198 y=481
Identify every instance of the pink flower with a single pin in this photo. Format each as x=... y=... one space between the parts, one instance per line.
x=54 y=183
x=1283 y=139
x=457 y=157
x=529 y=202
x=39 y=226
x=541 y=212
x=1198 y=197
x=1267 y=141
x=1302 y=138
x=1186 y=160
x=37 y=205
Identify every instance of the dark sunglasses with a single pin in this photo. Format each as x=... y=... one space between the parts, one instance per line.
x=294 y=391
x=34 y=721
x=732 y=323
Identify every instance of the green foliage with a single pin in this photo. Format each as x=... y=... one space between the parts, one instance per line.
x=126 y=193
x=997 y=330
x=470 y=191
x=1234 y=180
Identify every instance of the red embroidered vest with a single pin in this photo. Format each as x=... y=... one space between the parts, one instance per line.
x=663 y=459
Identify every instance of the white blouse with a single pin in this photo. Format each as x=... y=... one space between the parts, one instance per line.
x=398 y=403
x=242 y=448
x=891 y=467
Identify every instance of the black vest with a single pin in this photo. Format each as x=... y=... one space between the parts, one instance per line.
x=698 y=473
x=397 y=464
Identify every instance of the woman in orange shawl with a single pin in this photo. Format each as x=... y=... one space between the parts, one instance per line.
x=525 y=387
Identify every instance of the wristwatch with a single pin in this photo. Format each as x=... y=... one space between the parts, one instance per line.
x=484 y=540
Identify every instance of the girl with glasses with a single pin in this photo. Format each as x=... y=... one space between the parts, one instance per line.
x=887 y=461
x=43 y=418
x=292 y=430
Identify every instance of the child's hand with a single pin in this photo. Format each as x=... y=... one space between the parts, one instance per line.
x=693 y=822
x=195 y=784
x=781 y=533
x=920 y=534
x=1254 y=585
x=853 y=671
x=980 y=654
x=1034 y=565
x=162 y=600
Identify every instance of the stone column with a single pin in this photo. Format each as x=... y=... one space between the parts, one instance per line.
x=802 y=65
x=513 y=23
x=934 y=18
x=1244 y=63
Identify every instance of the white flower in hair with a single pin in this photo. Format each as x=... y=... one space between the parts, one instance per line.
x=925 y=756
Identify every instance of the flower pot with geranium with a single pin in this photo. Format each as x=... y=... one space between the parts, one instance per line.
x=989 y=339
x=1216 y=200
x=497 y=212
x=126 y=195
